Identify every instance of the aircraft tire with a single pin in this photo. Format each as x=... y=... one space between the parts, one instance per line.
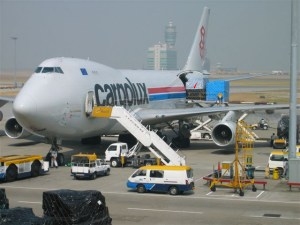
x=60 y=159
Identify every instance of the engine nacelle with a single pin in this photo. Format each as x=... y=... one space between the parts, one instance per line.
x=14 y=130
x=223 y=133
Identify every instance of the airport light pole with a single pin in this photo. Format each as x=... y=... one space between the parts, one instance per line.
x=15 y=60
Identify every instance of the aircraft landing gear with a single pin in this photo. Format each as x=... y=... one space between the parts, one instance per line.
x=60 y=156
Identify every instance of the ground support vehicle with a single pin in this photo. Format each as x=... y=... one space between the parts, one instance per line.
x=148 y=138
x=279 y=143
x=202 y=131
x=118 y=154
x=278 y=159
x=13 y=167
x=88 y=166
x=171 y=179
x=260 y=126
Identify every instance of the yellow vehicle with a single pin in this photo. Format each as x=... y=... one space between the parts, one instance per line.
x=13 y=167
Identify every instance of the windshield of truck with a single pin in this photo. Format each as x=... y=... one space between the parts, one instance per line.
x=277 y=158
x=189 y=173
x=112 y=148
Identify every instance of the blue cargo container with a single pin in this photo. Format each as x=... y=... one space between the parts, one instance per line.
x=214 y=88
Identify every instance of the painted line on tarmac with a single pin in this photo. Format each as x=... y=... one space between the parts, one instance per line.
x=260 y=194
x=164 y=210
x=212 y=194
x=281 y=217
x=212 y=197
x=27 y=202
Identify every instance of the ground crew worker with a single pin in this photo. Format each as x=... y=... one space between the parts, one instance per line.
x=273 y=137
x=53 y=153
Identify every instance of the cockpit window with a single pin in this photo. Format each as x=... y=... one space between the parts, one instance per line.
x=38 y=70
x=58 y=70
x=48 y=70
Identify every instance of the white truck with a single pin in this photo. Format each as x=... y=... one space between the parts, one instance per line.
x=202 y=131
x=118 y=154
x=88 y=166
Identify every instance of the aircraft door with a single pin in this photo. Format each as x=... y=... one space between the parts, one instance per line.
x=89 y=103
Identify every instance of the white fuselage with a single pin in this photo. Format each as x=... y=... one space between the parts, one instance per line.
x=52 y=103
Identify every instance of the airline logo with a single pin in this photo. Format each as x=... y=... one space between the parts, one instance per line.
x=132 y=94
x=202 y=43
x=126 y=94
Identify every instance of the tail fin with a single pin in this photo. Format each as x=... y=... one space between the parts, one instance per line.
x=197 y=54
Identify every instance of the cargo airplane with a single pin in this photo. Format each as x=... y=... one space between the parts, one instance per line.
x=56 y=102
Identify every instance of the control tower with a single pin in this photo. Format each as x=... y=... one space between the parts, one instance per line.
x=170 y=35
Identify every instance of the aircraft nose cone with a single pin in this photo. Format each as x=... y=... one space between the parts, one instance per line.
x=24 y=108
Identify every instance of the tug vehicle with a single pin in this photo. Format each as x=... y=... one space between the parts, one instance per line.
x=13 y=167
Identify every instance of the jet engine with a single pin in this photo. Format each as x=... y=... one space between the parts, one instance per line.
x=14 y=130
x=223 y=134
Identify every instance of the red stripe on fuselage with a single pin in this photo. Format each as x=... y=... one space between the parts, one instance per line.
x=165 y=89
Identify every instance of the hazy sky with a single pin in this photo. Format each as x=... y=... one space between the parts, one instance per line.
x=248 y=34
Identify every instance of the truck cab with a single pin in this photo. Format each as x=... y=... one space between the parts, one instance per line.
x=88 y=166
x=114 y=152
x=118 y=154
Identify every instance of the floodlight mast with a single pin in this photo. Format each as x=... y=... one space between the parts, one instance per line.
x=15 y=60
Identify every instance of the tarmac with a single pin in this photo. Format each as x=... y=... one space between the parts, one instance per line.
x=276 y=204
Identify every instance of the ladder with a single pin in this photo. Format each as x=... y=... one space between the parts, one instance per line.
x=147 y=137
x=242 y=161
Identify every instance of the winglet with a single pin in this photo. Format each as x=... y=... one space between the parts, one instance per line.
x=197 y=54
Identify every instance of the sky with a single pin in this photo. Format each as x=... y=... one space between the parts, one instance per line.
x=252 y=35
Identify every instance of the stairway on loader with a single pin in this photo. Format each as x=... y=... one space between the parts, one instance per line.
x=147 y=137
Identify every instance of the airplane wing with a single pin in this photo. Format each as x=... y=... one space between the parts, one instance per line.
x=4 y=100
x=151 y=116
x=243 y=76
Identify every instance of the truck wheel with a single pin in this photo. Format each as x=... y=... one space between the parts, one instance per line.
x=280 y=171
x=207 y=136
x=141 y=188
x=35 y=168
x=254 y=128
x=11 y=173
x=107 y=172
x=173 y=190
x=265 y=127
x=114 y=163
x=93 y=176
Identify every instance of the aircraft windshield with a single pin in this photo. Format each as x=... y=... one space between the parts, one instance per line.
x=48 y=70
